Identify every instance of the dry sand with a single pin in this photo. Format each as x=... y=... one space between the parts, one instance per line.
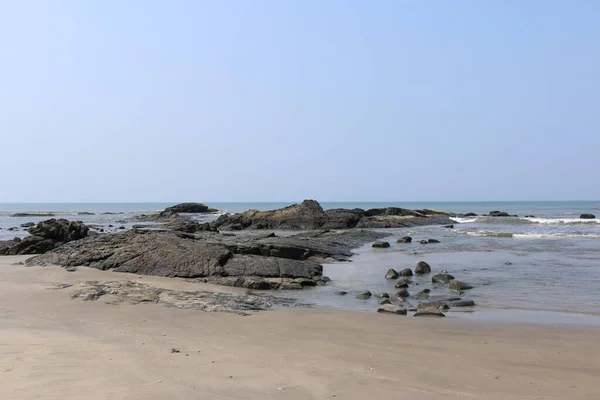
x=55 y=347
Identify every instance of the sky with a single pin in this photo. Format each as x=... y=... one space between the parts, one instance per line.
x=281 y=100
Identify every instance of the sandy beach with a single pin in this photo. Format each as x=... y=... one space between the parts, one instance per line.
x=55 y=347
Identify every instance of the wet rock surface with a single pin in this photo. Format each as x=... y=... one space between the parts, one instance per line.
x=116 y=292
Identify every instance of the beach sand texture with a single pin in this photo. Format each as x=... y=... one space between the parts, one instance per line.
x=54 y=347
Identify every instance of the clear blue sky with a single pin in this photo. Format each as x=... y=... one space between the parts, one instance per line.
x=283 y=100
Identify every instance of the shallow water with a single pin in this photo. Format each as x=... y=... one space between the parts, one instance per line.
x=553 y=275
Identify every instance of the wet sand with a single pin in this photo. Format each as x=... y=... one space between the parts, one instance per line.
x=55 y=347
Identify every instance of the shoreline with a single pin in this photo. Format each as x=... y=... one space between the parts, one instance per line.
x=53 y=346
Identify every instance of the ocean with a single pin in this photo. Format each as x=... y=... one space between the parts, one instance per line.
x=544 y=268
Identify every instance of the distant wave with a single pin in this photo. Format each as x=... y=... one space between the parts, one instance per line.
x=523 y=220
x=531 y=235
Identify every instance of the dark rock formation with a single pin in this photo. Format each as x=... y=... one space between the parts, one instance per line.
x=402 y=283
x=85 y=213
x=61 y=230
x=381 y=245
x=406 y=272
x=402 y=293
x=587 y=216
x=309 y=215
x=405 y=239
x=433 y=241
x=498 y=214
x=422 y=268
x=450 y=226
x=189 y=208
x=364 y=295
x=46 y=236
x=392 y=274
x=27 y=225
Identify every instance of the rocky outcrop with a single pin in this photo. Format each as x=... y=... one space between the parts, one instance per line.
x=248 y=260
x=46 y=236
x=309 y=215
x=189 y=208
x=498 y=214
x=21 y=215
x=587 y=216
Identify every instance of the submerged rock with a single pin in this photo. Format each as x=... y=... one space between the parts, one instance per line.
x=406 y=272
x=587 y=216
x=402 y=293
x=403 y=283
x=385 y=301
x=498 y=214
x=189 y=208
x=405 y=239
x=381 y=245
x=442 y=278
x=433 y=241
x=364 y=295
x=458 y=285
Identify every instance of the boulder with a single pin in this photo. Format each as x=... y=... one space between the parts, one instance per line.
x=402 y=293
x=587 y=216
x=33 y=245
x=433 y=241
x=458 y=285
x=391 y=308
x=429 y=312
x=442 y=278
x=403 y=282
x=422 y=268
x=405 y=239
x=189 y=208
x=392 y=274
x=364 y=295
x=498 y=214
x=61 y=230
x=424 y=242
x=406 y=272
x=381 y=245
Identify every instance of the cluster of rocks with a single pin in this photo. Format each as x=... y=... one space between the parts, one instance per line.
x=427 y=303
x=252 y=261
x=173 y=213
x=405 y=239
x=309 y=215
x=45 y=236
x=115 y=292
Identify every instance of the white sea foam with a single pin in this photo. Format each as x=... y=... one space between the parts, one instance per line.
x=514 y=220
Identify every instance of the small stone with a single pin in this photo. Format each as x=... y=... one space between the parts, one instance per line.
x=383 y=295
x=423 y=294
x=341 y=293
x=71 y=269
x=391 y=274
x=406 y=272
x=391 y=308
x=364 y=295
x=462 y=303
x=422 y=268
x=402 y=293
x=381 y=245
x=424 y=242
x=405 y=239
x=433 y=241
x=507 y=263
x=458 y=285
x=175 y=351
x=448 y=226
x=385 y=301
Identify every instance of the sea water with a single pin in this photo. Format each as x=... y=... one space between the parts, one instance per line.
x=545 y=267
